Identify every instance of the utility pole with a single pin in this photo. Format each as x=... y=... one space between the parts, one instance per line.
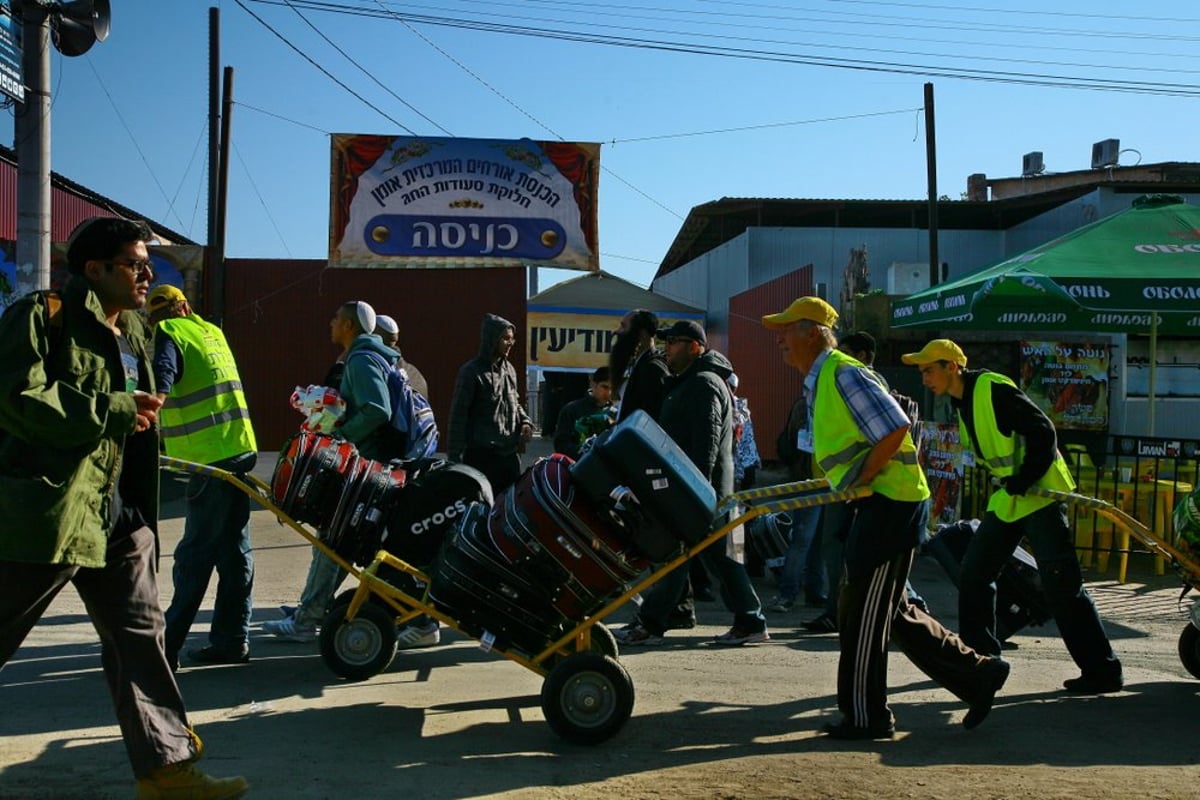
x=931 y=169
x=77 y=25
x=31 y=130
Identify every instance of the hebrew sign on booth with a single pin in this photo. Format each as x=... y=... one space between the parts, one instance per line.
x=436 y=203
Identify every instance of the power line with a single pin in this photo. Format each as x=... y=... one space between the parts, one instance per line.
x=258 y=194
x=366 y=72
x=136 y=146
x=765 y=126
x=866 y=65
x=281 y=117
x=326 y=72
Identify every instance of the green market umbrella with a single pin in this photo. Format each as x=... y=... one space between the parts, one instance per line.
x=1137 y=271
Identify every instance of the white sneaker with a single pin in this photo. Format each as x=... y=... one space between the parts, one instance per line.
x=412 y=636
x=290 y=631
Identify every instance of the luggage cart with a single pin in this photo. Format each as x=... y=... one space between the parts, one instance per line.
x=1185 y=564
x=587 y=695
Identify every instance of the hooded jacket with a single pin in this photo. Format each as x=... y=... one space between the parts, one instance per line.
x=67 y=430
x=697 y=414
x=367 y=424
x=486 y=411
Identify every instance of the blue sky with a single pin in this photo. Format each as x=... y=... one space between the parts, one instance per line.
x=129 y=117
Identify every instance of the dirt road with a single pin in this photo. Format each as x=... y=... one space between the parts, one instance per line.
x=457 y=722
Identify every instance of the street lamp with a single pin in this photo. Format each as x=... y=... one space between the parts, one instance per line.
x=75 y=27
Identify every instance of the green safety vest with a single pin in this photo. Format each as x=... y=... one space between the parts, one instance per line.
x=204 y=418
x=840 y=448
x=1003 y=454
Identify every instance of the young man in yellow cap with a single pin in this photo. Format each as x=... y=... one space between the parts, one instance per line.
x=861 y=439
x=1016 y=441
x=205 y=420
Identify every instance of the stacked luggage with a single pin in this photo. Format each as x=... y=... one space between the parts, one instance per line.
x=567 y=537
x=359 y=506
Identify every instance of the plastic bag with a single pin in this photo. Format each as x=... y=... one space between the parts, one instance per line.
x=323 y=408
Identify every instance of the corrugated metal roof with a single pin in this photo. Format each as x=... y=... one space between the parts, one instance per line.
x=710 y=225
x=70 y=204
x=602 y=290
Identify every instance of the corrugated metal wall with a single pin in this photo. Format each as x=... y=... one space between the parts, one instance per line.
x=66 y=210
x=277 y=317
x=770 y=385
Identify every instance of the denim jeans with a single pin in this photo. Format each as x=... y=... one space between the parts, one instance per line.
x=324 y=578
x=216 y=535
x=802 y=563
x=736 y=592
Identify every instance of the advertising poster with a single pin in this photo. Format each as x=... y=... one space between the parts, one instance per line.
x=1069 y=381
x=942 y=460
x=439 y=203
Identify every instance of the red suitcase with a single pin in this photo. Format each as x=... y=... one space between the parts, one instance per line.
x=310 y=476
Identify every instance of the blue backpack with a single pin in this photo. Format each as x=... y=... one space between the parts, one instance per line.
x=412 y=416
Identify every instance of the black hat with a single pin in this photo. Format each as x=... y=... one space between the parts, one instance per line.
x=684 y=329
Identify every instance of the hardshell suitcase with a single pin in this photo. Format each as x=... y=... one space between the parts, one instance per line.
x=472 y=584
x=544 y=529
x=678 y=503
x=356 y=529
x=425 y=511
x=310 y=476
x=1020 y=600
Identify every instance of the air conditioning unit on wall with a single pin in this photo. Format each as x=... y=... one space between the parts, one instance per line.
x=1105 y=153
x=1032 y=164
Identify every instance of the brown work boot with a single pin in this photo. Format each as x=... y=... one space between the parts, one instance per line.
x=184 y=782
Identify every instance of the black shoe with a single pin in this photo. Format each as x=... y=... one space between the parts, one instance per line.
x=844 y=730
x=680 y=622
x=822 y=624
x=214 y=655
x=997 y=671
x=1094 y=684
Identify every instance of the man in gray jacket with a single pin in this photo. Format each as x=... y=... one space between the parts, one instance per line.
x=488 y=424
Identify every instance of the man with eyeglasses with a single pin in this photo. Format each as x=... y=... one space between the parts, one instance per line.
x=205 y=420
x=79 y=491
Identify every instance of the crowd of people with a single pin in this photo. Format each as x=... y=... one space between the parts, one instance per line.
x=162 y=379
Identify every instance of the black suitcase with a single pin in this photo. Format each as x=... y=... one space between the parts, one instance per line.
x=678 y=503
x=1020 y=600
x=356 y=530
x=488 y=600
x=433 y=500
x=769 y=536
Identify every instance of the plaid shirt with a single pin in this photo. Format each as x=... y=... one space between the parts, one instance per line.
x=875 y=411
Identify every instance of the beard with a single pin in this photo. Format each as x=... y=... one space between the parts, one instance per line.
x=624 y=348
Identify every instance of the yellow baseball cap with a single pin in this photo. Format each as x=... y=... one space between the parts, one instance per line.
x=937 y=350
x=813 y=309
x=162 y=296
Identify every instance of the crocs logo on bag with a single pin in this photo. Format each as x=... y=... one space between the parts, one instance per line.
x=439 y=518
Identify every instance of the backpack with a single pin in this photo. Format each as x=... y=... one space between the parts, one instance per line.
x=411 y=414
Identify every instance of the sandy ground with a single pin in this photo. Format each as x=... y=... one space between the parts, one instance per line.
x=457 y=722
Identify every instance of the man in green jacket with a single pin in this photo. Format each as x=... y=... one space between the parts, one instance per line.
x=79 y=491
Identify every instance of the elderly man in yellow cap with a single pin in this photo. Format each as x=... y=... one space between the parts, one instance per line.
x=205 y=420
x=1016 y=441
x=861 y=439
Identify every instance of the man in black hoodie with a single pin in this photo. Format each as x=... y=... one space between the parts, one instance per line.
x=488 y=424
x=697 y=413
